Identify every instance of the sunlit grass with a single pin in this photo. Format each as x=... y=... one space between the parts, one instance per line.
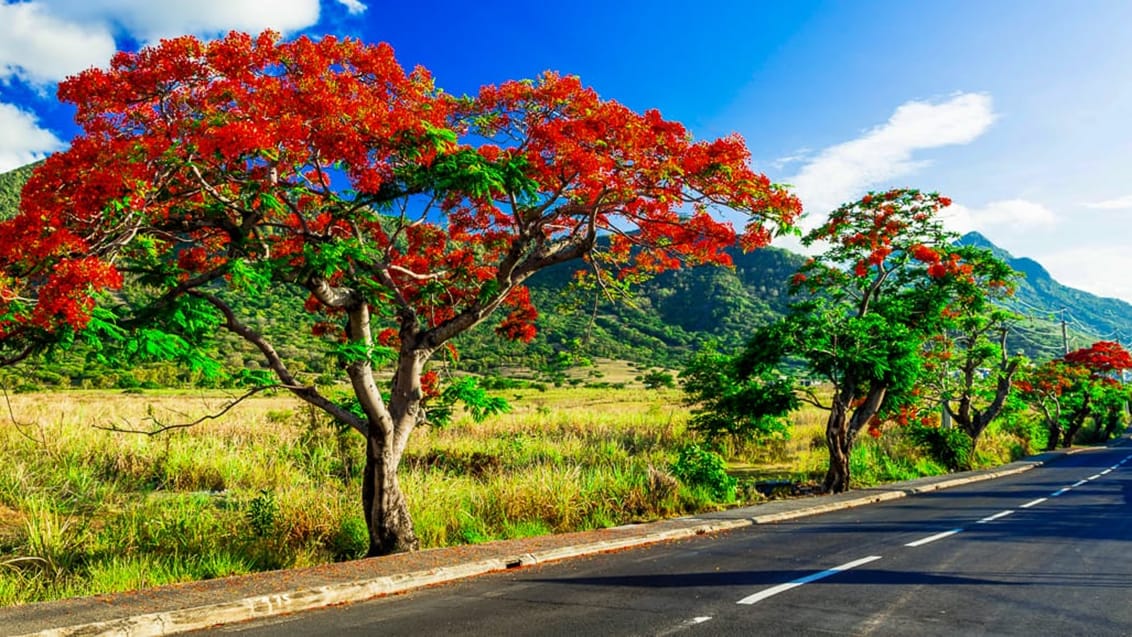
x=272 y=484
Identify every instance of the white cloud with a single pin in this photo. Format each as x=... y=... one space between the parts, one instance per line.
x=40 y=47
x=842 y=172
x=353 y=6
x=149 y=21
x=1100 y=269
x=1011 y=214
x=1120 y=203
x=43 y=41
x=23 y=140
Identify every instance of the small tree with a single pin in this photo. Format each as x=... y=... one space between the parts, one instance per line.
x=873 y=297
x=1058 y=392
x=246 y=166
x=1104 y=361
x=967 y=362
x=743 y=397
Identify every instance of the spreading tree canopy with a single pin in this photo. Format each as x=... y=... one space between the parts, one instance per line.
x=401 y=215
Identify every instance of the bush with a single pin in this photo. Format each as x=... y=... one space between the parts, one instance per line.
x=657 y=379
x=351 y=539
x=697 y=466
x=950 y=447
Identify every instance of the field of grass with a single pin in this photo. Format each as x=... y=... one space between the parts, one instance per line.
x=272 y=484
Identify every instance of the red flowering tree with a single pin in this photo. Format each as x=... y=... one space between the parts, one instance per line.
x=1060 y=393
x=968 y=368
x=879 y=289
x=404 y=216
x=1083 y=383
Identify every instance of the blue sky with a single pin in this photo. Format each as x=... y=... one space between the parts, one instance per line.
x=1020 y=111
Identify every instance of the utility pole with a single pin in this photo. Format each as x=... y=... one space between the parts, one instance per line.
x=1064 y=330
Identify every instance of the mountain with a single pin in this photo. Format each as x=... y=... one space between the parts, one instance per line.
x=11 y=183
x=1046 y=304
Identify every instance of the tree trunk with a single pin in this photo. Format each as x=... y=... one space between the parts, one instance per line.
x=1054 y=435
x=839 y=443
x=387 y=512
x=1076 y=423
x=841 y=430
x=975 y=422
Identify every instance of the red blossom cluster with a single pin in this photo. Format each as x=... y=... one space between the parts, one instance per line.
x=326 y=162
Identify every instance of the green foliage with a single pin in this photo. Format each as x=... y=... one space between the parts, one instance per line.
x=657 y=379
x=950 y=447
x=465 y=390
x=263 y=510
x=351 y=540
x=748 y=404
x=699 y=467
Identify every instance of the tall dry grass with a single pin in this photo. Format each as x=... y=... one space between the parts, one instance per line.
x=272 y=484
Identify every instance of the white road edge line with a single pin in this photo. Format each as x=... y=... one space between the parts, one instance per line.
x=1032 y=503
x=933 y=538
x=992 y=518
x=774 y=590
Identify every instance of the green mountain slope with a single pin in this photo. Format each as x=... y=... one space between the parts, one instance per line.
x=11 y=183
x=1046 y=303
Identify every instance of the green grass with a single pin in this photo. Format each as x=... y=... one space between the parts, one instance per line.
x=273 y=485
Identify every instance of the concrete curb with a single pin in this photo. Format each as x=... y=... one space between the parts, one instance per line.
x=302 y=599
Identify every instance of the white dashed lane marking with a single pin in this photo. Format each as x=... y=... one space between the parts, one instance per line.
x=992 y=518
x=933 y=538
x=781 y=588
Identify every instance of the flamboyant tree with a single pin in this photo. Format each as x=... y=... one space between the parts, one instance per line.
x=872 y=297
x=969 y=369
x=1058 y=391
x=404 y=216
x=1068 y=390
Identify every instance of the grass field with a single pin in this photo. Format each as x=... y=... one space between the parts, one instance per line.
x=272 y=484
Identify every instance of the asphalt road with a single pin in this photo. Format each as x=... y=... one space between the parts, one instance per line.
x=1046 y=552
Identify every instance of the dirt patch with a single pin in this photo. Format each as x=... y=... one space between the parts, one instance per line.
x=11 y=523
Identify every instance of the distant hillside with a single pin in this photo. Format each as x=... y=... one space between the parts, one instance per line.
x=1045 y=301
x=667 y=317
x=11 y=183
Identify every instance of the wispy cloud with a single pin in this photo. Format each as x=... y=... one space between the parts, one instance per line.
x=1013 y=214
x=1120 y=203
x=149 y=21
x=842 y=172
x=353 y=6
x=23 y=140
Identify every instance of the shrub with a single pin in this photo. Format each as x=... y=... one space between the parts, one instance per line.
x=657 y=379
x=949 y=446
x=697 y=466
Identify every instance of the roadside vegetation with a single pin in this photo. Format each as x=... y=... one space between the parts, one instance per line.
x=274 y=484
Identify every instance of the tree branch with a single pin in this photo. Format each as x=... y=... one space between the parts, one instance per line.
x=307 y=393
x=162 y=428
